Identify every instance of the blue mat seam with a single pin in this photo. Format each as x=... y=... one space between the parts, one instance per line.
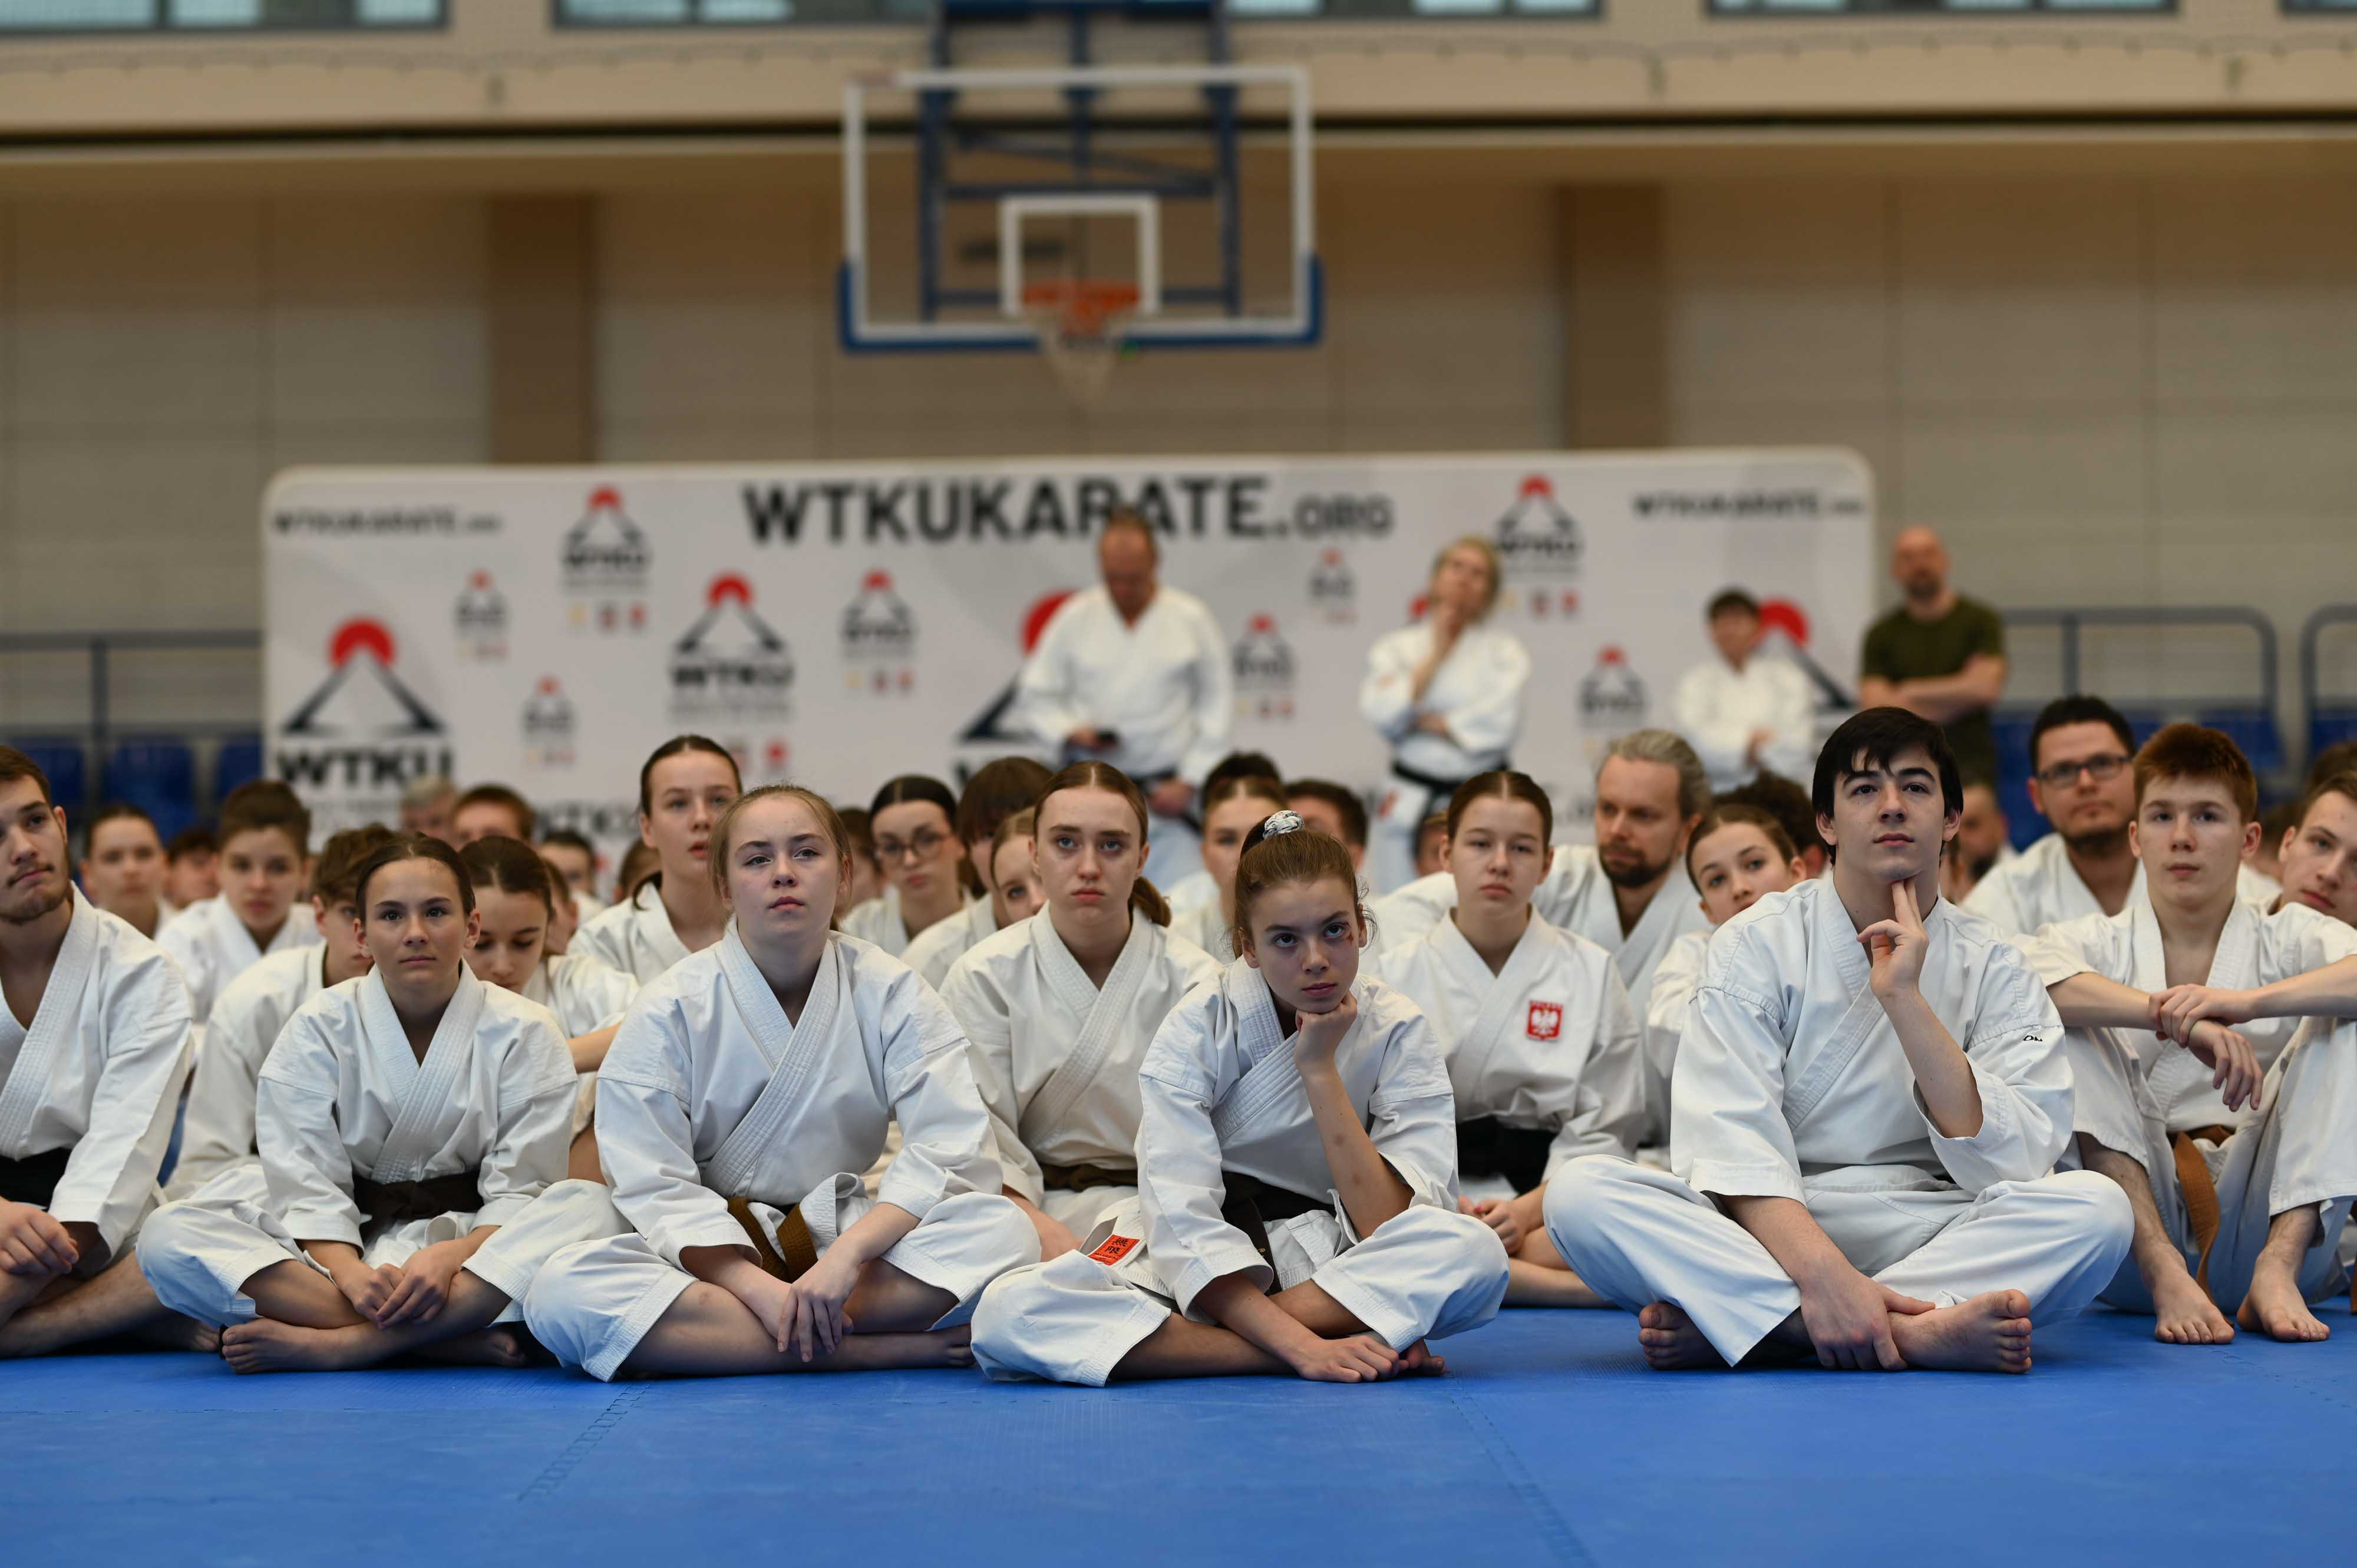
x=565 y=1464
x=1552 y=1525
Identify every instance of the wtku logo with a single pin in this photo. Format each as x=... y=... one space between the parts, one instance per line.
x=1611 y=697
x=879 y=638
x=1536 y=536
x=605 y=558
x=480 y=618
x=1333 y=591
x=548 y=722
x=361 y=728
x=730 y=664
x=1262 y=663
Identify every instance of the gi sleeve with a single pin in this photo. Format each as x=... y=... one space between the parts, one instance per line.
x=1727 y=1132
x=1718 y=737
x=537 y=1087
x=983 y=1010
x=1792 y=749
x=2014 y=1044
x=1386 y=698
x=1179 y=1187
x=1608 y=1115
x=946 y=1146
x=305 y=1162
x=2092 y=944
x=1046 y=705
x=1411 y=1114
x=1994 y=901
x=110 y=1175
x=219 y=1130
x=1215 y=702
x=1492 y=721
x=647 y=1138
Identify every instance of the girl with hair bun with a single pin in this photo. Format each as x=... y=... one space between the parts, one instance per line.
x=1296 y=1204
x=1543 y=1046
x=1059 y=1009
x=684 y=786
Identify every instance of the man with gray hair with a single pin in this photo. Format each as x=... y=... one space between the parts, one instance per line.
x=1628 y=892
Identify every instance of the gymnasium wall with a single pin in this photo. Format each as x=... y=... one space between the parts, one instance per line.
x=2117 y=389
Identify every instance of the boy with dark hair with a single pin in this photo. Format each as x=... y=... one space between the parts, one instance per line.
x=1870 y=1095
x=2176 y=1007
x=491 y=809
x=1334 y=809
x=191 y=867
x=2319 y=849
x=265 y=834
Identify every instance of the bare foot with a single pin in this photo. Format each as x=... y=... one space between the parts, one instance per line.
x=1671 y=1342
x=2185 y=1315
x=1418 y=1362
x=2276 y=1309
x=172 y=1332
x=500 y=1345
x=266 y=1345
x=1989 y=1332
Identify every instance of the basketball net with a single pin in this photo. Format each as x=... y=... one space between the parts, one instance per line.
x=1080 y=322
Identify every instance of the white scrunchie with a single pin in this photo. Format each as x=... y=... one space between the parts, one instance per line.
x=1281 y=823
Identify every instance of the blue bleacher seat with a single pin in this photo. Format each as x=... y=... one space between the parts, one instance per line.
x=2253 y=729
x=240 y=762
x=59 y=757
x=2330 y=726
x=2012 y=727
x=157 y=775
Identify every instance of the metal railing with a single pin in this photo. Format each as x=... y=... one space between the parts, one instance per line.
x=101 y=729
x=2311 y=673
x=2071 y=623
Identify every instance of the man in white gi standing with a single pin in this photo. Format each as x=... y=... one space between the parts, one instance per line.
x=1136 y=674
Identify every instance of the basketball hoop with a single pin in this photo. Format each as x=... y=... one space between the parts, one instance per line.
x=1082 y=324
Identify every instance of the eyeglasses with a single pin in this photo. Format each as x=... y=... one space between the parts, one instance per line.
x=921 y=847
x=2063 y=774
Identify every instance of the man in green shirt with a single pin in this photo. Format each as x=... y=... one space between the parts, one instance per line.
x=1939 y=654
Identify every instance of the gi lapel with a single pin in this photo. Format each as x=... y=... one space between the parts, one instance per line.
x=792 y=1050
x=1269 y=1075
x=1858 y=1023
x=1104 y=1014
x=424 y=1086
x=1499 y=993
x=28 y=1078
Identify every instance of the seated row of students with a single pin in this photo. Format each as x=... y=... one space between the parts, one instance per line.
x=1506 y=1112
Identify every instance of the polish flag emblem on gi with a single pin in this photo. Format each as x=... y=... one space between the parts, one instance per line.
x=1546 y=1020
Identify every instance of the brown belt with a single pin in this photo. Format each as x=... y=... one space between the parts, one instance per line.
x=2200 y=1192
x=1252 y=1205
x=795 y=1252
x=396 y=1202
x=1079 y=1178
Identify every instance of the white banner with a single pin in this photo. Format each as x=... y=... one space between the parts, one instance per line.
x=841 y=623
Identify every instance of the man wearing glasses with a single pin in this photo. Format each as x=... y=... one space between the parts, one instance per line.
x=2082 y=783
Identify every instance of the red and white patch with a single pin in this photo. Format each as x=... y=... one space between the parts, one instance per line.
x=1546 y=1020
x=1113 y=1249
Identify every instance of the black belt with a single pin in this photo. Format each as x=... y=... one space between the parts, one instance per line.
x=1081 y=1179
x=396 y=1202
x=1252 y=1206
x=34 y=1179
x=1488 y=1147
x=1437 y=784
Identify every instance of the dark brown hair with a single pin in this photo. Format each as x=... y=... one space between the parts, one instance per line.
x=1342 y=797
x=1258 y=785
x=2331 y=784
x=335 y=875
x=1726 y=814
x=510 y=866
x=996 y=791
x=680 y=746
x=399 y=847
x=2189 y=751
x=1015 y=826
x=640 y=865
x=500 y=795
x=1144 y=896
x=16 y=765
x=1305 y=854
x=1504 y=784
x=264 y=803
x=913 y=786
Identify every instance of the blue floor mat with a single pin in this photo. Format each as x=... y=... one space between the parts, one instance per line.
x=1548 y=1443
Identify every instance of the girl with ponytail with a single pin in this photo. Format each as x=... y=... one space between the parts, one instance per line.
x=1058 y=1008
x=1296 y=1204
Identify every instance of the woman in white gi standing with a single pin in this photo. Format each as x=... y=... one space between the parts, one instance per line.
x=1447 y=693
x=413 y=1125
x=1542 y=1043
x=745 y=1090
x=684 y=786
x=1296 y=1206
x=1059 y=1009
x=516 y=904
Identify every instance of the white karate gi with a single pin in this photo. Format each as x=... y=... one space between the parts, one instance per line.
x=1056 y=1060
x=934 y=951
x=1790 y=1082
x=247 y=1017
x=710 y=1093
x=2040 y=887
x=212 y=947
x=878 y=923
x=1549 y=1042
x=1163 y=687
x=635 y=937
x=1219 y=1093
x=99 y=1072
x=342 y=1095
x=1718 y=709
x=586 y=996
x=1479 y=689
x=1201 y=922
x=2132 y=1091
x=1675 y=979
